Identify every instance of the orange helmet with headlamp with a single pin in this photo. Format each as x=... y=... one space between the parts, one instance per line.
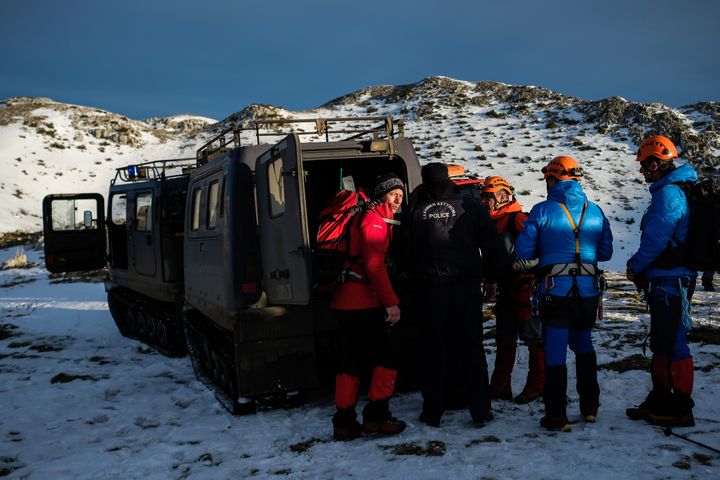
x=562 y=168
x=658 y=147
x=495 y=184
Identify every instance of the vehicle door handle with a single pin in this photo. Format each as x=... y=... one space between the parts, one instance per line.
x=298 y=251
x=278 y=274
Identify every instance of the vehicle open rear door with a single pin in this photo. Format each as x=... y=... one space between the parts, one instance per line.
x=283 y=223
x=74 y=230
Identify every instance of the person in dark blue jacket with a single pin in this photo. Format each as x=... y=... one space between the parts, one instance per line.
x=569 y=235
x=444 y=233
x=658 y=269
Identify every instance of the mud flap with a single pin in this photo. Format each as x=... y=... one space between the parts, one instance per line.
x=275 y=351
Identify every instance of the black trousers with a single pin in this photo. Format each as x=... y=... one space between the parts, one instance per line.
x=452 y=344
x=366 y=340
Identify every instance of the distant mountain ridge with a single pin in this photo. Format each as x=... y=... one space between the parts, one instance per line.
x=488 y=127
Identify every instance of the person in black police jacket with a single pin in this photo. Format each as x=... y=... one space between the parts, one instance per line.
x=442 y=237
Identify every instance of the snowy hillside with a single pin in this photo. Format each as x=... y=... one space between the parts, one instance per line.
x=490 y=128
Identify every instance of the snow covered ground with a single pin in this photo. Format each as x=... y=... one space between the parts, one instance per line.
x=80 y=401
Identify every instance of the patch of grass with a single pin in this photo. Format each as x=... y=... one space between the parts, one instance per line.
x=704 y=335
x=93 y=276
x=6 y=330
x=633 y=362
x=302 y=447
x=19 y=260
x=67 y=378
x=99 y=360
x=17 y=281
x=481 y=440
x=433 y=448
x=205 y=457
x=46 y=348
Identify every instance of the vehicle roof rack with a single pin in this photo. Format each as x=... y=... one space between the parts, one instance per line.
x=154 y=170
x=388 y=128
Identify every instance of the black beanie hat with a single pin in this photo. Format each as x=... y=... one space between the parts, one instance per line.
x=386 y=182
x=434 y=172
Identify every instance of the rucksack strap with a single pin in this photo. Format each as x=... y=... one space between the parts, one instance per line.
x=576 y=229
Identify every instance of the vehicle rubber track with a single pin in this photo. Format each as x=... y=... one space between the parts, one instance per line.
x=211 y=352
x=156 y=324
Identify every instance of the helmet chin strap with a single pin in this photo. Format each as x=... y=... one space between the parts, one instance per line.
x=665 y=167
x=499 y=204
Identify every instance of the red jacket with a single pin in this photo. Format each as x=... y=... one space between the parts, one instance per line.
x=371 y=241
x=520 y=289
x=502 y=216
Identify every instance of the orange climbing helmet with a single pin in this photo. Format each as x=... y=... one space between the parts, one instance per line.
x=657 y=146
x=562 y=168
x=495 y=184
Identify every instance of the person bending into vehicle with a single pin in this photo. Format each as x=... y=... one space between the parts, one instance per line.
x=512 y=309
x=366 y=308
x=569 y=235
x=658 y=269
x=444 y=233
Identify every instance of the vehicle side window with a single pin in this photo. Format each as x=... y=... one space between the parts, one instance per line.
x=276 y=188
x=195 y=208
x=212 y=204
x=143 y=212
x=74 y=214
x=118 y=209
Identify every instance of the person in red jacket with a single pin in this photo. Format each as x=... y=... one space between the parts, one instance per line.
x=512 y=309
x=366 y=308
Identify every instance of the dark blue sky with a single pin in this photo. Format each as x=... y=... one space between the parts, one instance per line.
x=145 y=58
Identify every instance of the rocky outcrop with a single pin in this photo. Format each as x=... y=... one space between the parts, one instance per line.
x=95 y=123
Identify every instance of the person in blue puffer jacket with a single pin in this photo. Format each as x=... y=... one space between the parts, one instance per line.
x=657 y=268
x=569 y=235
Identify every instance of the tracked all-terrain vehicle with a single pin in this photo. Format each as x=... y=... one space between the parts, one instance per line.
x=219 y=254
x=140 y=240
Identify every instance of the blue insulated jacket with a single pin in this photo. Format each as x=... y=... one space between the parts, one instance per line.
x=664 y=224
x=548 y=235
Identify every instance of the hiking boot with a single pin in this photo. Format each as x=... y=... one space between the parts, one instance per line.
x=678 y=415
x=535 y=382
x=555 y=423
x=525 y=397
x=480 y=422
x=500 y=387
x=345 y=433
x=685 y=420
x=589 y=414
x=639 y=412
x=388 y=426
x=587 y=385
x=429 y=420
x=656 y=403
x=345 y=425
x=378 y=419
